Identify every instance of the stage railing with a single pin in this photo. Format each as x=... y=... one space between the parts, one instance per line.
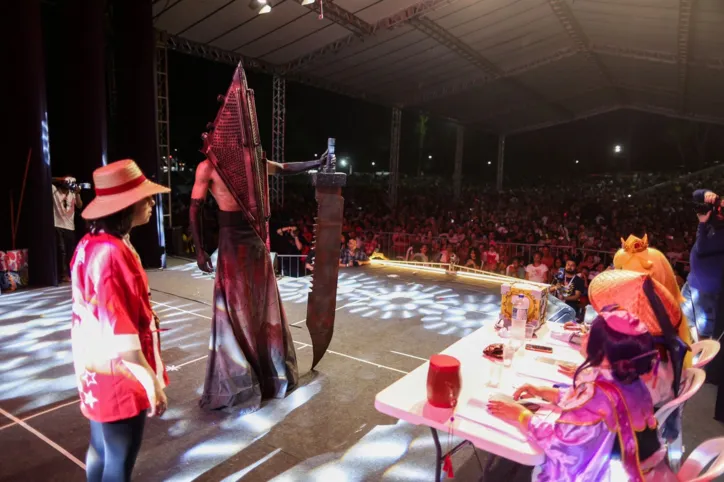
x=396 y=246
x=291 y=265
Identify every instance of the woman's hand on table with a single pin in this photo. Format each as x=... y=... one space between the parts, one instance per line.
x=549 y=394
x=568 y=369
x=510 y=412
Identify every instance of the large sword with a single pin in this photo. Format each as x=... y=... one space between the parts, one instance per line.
x=322 y=300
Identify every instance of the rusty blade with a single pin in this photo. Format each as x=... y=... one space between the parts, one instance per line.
x=322 y=300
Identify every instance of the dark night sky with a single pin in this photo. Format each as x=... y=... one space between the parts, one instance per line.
x=363 y=131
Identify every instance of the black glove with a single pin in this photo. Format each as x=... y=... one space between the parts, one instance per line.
x=290 y=168
x=202 y=258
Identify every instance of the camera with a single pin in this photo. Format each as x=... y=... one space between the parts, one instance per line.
x=72 y=185
x=705 y=208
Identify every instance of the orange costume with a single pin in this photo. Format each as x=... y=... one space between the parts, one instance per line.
x=636 y=255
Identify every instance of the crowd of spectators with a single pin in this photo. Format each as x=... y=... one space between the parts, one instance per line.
x=528 y=232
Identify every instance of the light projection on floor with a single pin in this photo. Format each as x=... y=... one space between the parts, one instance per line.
x=218 y=436
x=440 y=309
x=398 y=452
x=36 y=360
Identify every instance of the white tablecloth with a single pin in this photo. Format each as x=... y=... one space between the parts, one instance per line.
x=406 y=399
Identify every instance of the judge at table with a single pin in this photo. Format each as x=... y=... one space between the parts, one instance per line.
x=581 y=438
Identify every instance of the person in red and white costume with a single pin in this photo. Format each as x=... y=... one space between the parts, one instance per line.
x=115 y=333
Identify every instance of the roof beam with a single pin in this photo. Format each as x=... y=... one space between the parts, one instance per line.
x=394 y=20
x=675 y=113
x=682 y=45
x=655 y=56
x=527 y=106
x=492 y=71
x=580 y=39
x=478 y=80
x=197 y=49
x=342 y=17
x=583 y=115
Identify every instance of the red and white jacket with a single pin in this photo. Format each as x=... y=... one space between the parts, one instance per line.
x=111 y=314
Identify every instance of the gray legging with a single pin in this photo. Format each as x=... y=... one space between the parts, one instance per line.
x=113 y=449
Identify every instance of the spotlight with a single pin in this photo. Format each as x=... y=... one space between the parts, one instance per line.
x=261 y=6
x=489 y=163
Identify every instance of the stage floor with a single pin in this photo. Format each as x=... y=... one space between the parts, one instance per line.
x=388 y=323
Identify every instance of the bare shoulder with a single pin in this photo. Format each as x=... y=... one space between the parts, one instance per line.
x=205 y=169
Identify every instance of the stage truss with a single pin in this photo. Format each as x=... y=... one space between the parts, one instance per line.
x=165 y=159
x=279 y=114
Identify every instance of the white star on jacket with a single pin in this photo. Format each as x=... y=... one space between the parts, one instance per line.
x=89 y=378
x=89 y=399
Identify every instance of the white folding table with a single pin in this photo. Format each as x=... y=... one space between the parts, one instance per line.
x=406 y=399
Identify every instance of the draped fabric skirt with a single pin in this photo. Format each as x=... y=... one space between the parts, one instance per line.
x=251 y=353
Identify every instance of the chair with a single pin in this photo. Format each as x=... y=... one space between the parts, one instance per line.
x=711 y=450
x=704 y=352
x=692 y=381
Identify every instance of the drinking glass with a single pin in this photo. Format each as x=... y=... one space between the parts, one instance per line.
x=508 y=354
x=529 y=331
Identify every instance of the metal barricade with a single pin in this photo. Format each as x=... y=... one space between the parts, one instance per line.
x=291 y=265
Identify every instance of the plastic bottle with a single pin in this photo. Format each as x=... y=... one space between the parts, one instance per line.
x=520 y=317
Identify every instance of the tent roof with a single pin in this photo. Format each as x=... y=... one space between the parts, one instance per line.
x=503 y=65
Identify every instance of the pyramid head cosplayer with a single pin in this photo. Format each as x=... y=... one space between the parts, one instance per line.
x=234 y=149
x=251 y=352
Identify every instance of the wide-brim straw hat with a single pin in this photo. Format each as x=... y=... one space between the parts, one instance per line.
x=119 y=185
x=626 y=289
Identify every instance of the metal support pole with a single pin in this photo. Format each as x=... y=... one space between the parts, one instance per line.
x=458 y=170
x=279 y=110
x=501 y=161
x=395 y=154
x=165 y=161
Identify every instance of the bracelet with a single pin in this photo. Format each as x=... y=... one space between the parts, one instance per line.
x=524 y=417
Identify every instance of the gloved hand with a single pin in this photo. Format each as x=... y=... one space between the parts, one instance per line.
x=203 y=260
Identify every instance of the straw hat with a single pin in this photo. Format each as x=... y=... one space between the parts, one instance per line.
x=626 y=289
x=119 y=185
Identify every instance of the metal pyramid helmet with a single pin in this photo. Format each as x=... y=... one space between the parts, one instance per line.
x=234 y=148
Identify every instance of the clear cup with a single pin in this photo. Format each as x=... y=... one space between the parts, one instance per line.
x=508 y=354
x=529 y=331
x=495 y=374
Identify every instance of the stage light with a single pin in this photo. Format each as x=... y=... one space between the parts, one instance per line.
x=576 y=161
x=430 y=156
x=373 y=163
x=343 y=162
x=261 y=6
x=489 y=163
x=617 y=148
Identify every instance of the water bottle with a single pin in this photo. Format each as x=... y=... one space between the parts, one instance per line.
x=520 y=317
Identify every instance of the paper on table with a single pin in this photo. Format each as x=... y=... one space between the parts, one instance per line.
x=476 y=411
x=542 y=371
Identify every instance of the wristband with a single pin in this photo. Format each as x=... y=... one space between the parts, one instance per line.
x=524 y=418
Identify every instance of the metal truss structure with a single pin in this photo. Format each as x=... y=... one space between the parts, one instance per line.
x=476 y=81
x=163 y=130
x=341 y=17
x=682 y=44
x=209 y=52
x=458 y=169
x=279 y=114
x=442 y=36
x=575 y=32
x=715 y=63
x=395 y=154
x=364 y=30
